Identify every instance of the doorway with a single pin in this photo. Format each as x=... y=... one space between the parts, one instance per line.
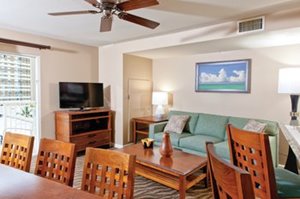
x=139 y=101
x=19 y=88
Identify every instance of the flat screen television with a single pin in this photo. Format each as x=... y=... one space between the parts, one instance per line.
x=80 y=95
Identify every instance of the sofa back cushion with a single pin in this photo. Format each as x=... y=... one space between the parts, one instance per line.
x=212 y=125
x=191 y=123
x=270 y=129
x=176 y=123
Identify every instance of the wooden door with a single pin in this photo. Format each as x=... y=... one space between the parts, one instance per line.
x=139 y=101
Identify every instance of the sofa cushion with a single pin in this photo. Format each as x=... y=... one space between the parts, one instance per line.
x=255 y=126
x=203 y=154
x=176 y=123
x=238 y=122
x=288 y=183
x=191 y=123
x=197 y=142
x=212 y=125
x=222 y=149
x=175 y=137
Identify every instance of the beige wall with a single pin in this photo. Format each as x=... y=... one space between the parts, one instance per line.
x=64 y=62
x=177 y=75
x=137 y=68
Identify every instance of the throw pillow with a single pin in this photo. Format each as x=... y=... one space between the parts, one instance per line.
x=255 y=126
x=176 y=123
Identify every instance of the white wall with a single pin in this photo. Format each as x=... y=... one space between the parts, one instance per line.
x=111 y=60
x=64 y=62
x=177 y=75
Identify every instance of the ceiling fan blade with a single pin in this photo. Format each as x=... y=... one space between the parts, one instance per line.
x=94 y=3
x=73 y=13
x=138 y=20
x=136 y=4
x=106 y=23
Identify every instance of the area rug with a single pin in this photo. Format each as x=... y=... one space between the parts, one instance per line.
x=144 y=188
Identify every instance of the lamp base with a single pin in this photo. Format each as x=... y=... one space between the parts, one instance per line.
x=294 y=122
x=159 y=110
x=160 y=116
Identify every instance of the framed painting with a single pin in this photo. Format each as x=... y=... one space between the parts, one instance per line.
x=223 y=76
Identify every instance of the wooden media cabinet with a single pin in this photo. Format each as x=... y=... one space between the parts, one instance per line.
x=90 y=128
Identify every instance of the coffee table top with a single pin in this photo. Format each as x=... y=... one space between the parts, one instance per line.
x=180 y=163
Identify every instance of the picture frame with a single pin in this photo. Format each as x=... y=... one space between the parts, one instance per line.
x=232 y=76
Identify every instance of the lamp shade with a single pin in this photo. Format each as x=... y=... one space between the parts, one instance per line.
x=159 y=98
x=289 y=80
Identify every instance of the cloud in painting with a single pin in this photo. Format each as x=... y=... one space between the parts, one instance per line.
x=240 y=76
x=213 y=78
x=221 y=76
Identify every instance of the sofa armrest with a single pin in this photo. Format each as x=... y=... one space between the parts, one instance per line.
x=273 y=139
x=156 y=128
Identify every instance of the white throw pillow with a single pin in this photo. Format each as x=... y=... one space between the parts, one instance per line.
x=176 y=123
x=255 y=126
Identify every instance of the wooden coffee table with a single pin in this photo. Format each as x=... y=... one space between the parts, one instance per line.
x=179 y=172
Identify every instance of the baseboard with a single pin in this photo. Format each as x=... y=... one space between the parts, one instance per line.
x=119 y=146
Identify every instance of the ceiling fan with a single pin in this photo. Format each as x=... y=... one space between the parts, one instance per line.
x=115 y=7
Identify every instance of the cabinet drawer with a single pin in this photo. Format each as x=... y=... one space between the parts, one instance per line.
x=91 y=140
x=82 y=146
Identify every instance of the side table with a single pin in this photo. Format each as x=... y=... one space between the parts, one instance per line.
x=141 y=125
x=292 y=135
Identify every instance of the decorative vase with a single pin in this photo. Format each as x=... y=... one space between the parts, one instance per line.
x=166 y=148
x=166 y=161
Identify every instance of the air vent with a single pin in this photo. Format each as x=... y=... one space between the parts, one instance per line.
x=251 y=25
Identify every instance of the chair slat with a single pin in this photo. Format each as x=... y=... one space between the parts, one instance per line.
x=228 y=181
x=251 y=151
x=56 y=161
x=107 y=172
x=17 y=151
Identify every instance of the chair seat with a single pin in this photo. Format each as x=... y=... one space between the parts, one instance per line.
x=288 y=183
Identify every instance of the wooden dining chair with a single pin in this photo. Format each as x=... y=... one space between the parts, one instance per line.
x=228 y=181
x=108 y=173
x=56 y=161
x=17 y=151
x=251 y=151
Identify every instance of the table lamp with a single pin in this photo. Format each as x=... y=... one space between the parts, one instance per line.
x=289 y=83
x=160 y=99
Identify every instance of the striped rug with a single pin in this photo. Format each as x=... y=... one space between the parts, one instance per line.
x=144 y=188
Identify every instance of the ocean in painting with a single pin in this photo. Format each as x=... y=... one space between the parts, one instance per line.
x=222 y=87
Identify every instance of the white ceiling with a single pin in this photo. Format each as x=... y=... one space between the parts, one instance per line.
x=174 y=15
x=258 y=40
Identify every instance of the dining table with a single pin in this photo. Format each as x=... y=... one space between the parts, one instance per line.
x=17 y=184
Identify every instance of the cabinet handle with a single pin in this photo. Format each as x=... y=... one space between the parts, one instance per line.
x=93 y=142
x=92 y=135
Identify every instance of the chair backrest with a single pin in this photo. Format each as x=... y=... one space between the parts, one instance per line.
x=17 y=151
x=108 y=173
x=228 y=181
x=251 y=151
x=56 y=161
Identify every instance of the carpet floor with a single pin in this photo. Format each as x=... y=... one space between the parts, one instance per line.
x=144 y=188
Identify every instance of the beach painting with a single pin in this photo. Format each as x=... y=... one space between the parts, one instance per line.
x=225 y=76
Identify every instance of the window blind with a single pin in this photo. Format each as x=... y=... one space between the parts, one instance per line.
x=15 y=78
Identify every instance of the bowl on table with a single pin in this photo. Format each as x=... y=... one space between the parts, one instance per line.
x=147 y=142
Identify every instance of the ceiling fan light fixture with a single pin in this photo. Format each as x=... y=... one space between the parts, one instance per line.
x=106 y=23
x=119 y=8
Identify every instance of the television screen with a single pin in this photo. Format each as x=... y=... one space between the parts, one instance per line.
x=80 y=95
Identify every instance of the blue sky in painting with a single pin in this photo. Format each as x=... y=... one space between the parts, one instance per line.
x=221 y=72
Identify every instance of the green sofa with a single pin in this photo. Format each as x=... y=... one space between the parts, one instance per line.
x=202 y=127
